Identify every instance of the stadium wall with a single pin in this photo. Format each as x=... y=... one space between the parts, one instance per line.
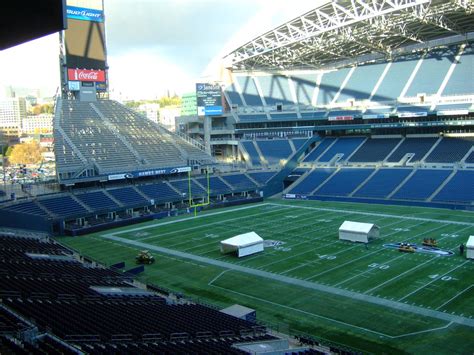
x=451 y=206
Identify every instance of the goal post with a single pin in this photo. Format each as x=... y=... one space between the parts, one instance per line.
x=190 y=194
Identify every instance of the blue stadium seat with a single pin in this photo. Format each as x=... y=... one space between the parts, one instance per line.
x=275 y=89
x=63 y=206
x=216 y=185
x=330 y=84
x=450 y=150
x=374 y=150
x=252 y=151
x=383 y=182
x=344 y=182
x=319 y=149
x=395 y=80
x=249 y=90
x=298 y=142
x=128 y=196
x=304 y=87
x=160 y=192
x=361 y=82
x=345 y=146
x=233 y=95
x=97 y=200
x=422 y=184
x=239 y=182
x=28 y=207
x=183 y=187
x=262 y=177
x=275 y=150
x=311 y=181
x=460 y=82
x=459 y=189
x=417 y=146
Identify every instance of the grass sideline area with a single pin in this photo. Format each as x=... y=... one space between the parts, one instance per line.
x=375 y=299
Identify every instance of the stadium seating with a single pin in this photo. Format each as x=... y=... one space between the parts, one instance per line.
x=304 y=88
x=63 y=206
x=422 y=184
x=361 y=83
x=275 y=150
x=470 y=158
x=298 y=142
x=159 y=192
x=284 y=116
x=233 y=95
x=27 y=207
x=127 y=140
x=432 y=72
x=460 y=82
x=128 y=196
x=450 y=150
x=252 y=152
x=345 y=146
x=374 y=150
x=344 y=182
x=330 y=85
x=261 y=177
x=319 y=149
x=459 y=189
x=239 y=182
x=382 y=183
x=418 y=146
x=249 y=91
x=97 y=200
x=275 y=89
x=183 y=187
x=311 y=181
x=216 y=185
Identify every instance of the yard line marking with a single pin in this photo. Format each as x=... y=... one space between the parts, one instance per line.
x=197 y=227
x=389 y=261
x=330 y=319
x=457 y=295
x=361 y=257
x=217 y=277
x=380 y=214
x=158 y=224
x=435 y=279
x=306 y=284
x=423 y=331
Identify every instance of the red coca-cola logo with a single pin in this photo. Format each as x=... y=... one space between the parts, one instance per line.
x=86 y=75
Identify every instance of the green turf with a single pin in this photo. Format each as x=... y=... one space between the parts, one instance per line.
x=311 y=251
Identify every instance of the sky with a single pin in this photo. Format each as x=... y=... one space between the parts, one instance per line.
x=155 y=47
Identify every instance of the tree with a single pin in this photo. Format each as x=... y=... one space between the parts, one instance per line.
x=26 y=153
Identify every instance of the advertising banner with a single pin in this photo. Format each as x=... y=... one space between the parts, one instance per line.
x=84 y=14
x=340 y=118
x=85 y=75
x=154 y=172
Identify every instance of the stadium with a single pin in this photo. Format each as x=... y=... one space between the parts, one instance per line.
x=320 y=201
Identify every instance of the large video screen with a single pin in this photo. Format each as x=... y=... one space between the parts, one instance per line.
x=85 y=43
x=209 y=99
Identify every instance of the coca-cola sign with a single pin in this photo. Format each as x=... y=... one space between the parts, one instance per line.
x=86 y=75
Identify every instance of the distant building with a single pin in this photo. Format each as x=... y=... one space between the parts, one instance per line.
x=168 y=115
x=188 y=104
x=151 y=111
x=37 y=124
x=12 y=111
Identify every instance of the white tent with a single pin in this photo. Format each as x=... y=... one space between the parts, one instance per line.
x=470 y=247
x=244 y=244
x=358 y=232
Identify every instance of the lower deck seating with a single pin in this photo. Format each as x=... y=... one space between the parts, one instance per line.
x=459 y=189
x=383 y=183
x=422 y=184
x=311 y=181
x=344 y=182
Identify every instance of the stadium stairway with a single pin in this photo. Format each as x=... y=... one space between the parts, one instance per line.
x=275 y=183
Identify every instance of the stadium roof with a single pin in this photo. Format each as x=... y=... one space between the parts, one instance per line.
x=341 y=30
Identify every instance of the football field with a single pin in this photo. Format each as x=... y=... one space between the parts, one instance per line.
x=375 y=299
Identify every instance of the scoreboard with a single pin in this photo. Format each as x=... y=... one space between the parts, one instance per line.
x=209 y=99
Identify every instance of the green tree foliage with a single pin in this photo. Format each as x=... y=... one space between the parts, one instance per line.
x=26 y=153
